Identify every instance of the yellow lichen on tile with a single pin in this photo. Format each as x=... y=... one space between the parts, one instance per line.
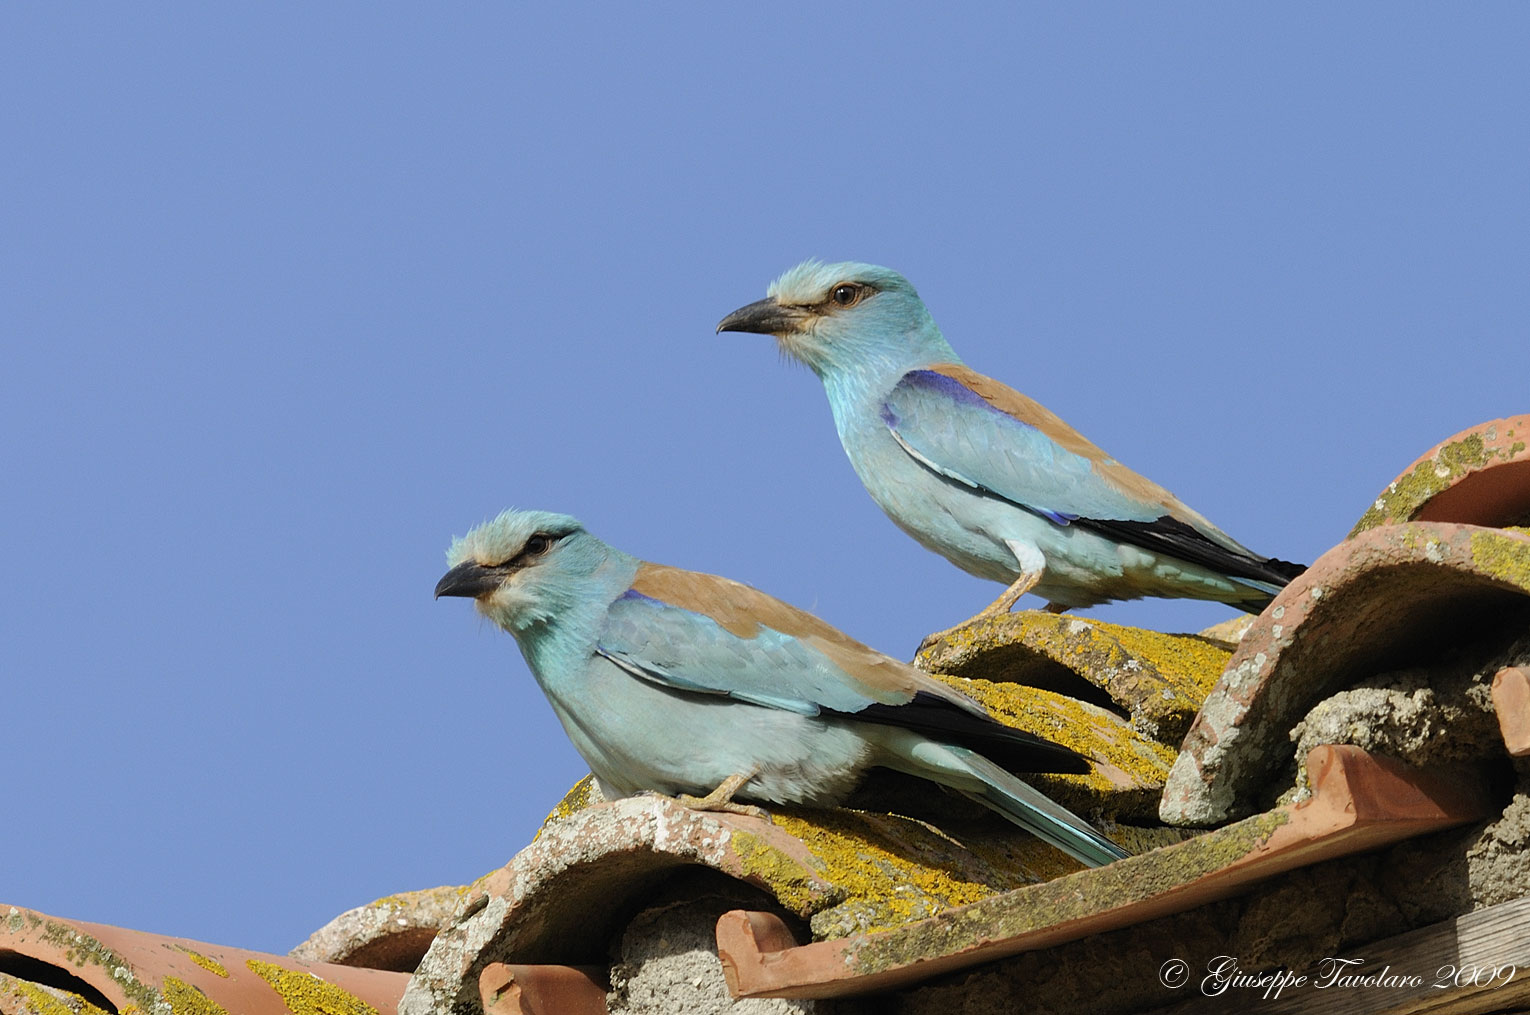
x=184 y=999
x=1086 y=729
x=1059 y=901
x=1502 y=556
x=1160 y=679
x=211 y=965
x=307 y=994
x=1402 y=499
x=42 y=1002
x=1188 y=661
x=411 y=901
x=575 y=800
x=793 y=887
x=893 y=869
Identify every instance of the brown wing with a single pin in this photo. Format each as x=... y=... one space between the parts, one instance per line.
x=742 y=610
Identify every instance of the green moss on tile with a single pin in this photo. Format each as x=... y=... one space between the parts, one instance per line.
x=885 y=870
x=209 y=964
x=1064 y=899
x=892 y=869
x=184 y=999
x=307 y=994
x=1402 y=499
x=83 y=950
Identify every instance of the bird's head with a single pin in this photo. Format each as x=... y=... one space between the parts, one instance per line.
x=844 y=317
x=523 y=568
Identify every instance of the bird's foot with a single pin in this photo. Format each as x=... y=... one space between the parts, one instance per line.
x=931 y=640
x=997 y=608
x=721 y=799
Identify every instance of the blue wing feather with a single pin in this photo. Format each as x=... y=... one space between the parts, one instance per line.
x=958 y=434
x=679 y=648
x=953 y=431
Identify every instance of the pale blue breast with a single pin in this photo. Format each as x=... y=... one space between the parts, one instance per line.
x=636 y=735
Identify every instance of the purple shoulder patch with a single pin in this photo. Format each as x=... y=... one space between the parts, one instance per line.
x=934 y=380
x=635 y=594
x=942 y=384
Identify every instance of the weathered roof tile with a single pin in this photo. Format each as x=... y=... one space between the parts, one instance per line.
x=1388 y=597
x=1481 y=476
x=114 y=968
x=1158 y=680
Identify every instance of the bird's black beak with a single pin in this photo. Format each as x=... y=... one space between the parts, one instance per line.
x=765 y=317
x=469 y=580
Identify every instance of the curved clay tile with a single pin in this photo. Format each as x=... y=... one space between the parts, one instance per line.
x=1129 y=767
x=1481 y=476
x=1359 y=803
x=1374 y=602
x=1511 y=701
x=392 y=933
x=1159 y=680
x=562 y=898
x=559 y=900
x=21 y=996
x=113 y=968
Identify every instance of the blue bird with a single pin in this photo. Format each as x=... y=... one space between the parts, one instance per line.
x=695 y=686
x=983 y=475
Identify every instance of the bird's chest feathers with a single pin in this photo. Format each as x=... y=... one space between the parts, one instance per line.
x=941 y=515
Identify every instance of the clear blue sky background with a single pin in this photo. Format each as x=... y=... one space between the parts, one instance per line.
x=292 y=295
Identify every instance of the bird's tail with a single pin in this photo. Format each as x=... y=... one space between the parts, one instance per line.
x=974 y=776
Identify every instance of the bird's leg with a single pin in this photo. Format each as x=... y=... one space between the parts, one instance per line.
x=998 y=607
x=1032 y=564
x=1056 y=608
x=721 y=798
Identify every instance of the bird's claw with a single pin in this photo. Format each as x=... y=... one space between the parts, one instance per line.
x=721 y=799
x=998 y=608
x=697 y=803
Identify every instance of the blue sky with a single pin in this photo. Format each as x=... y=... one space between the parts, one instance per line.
x=291 y=295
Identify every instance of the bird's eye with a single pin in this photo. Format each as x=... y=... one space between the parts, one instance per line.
x=846 y=294
x=538 y=545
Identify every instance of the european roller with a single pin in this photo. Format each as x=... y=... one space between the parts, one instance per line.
x=698 y=687
x=983 y=475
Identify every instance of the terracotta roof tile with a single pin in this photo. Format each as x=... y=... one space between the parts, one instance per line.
x=115 y=968
x=1511 y=702
x=1380 y=599
x=1360 y=803
x=1158 y=680
x=1481 y=476
x=392 y=933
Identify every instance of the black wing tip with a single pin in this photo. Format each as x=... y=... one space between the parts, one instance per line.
x=1014 y=750
x=1171 y=536
x=1057 y=763
x=1285 y=568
